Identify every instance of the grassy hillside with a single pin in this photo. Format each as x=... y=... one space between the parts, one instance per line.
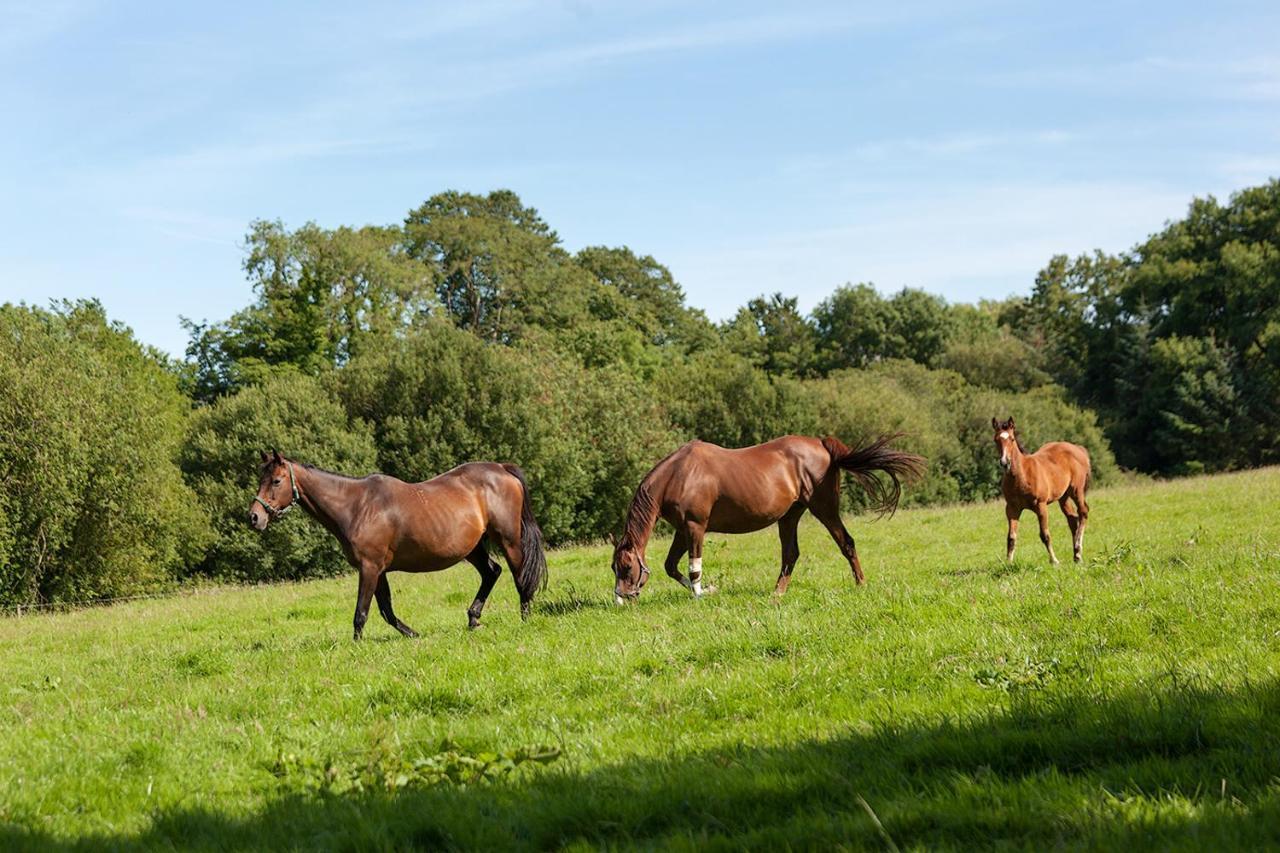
x=954 y=701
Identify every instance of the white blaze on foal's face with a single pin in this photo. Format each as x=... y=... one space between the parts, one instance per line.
x=1002 y=441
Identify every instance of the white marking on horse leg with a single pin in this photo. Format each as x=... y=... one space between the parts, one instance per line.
x=617 y=599
x=695 y=575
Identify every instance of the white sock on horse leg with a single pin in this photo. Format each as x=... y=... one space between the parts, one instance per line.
x=695 y=575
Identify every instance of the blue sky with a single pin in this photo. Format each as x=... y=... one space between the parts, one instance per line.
x=751 y=147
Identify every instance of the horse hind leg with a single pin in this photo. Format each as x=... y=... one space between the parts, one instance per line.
x=489 y=571
x=826 y=508
x=1082 y=507
x=383 y=593
x=1075 y=523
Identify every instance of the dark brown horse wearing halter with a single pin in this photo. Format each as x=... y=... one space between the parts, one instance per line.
x=387 y=525
x=702 y=487
x=1058 y=471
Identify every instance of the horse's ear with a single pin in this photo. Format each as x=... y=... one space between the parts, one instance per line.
x=613 y=539
x=264 y=456
x=276 y=455
x=1010 y=423
x=995 y=424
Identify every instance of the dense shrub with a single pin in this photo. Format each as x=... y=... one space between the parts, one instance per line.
x=440 y=396
x=90 y=425
x=294 y=414
x=720 y=397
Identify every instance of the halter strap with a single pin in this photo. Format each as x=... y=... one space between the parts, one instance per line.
x=276 y=513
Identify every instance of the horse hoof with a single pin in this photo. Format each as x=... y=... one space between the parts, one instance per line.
x=474 y=626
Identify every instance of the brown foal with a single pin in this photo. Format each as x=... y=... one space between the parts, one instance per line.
x=1058 y=471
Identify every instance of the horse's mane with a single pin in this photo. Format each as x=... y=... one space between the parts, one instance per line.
x=643 y=512
x=640 y=516
x=320 y=470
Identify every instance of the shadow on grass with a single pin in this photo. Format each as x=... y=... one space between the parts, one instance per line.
x=1180 y=767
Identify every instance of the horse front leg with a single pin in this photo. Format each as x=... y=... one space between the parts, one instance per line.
x=694 y=533
x=679 y=545
x=369 y=574
x=382 y=592
x=1042 y=513
x=787 y=535
x=1012 y=543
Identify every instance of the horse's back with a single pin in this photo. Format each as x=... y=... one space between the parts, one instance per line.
x=1071 y=459
x=739 y=489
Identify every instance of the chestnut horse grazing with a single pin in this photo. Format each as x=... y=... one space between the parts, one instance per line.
x=387 y=525
x=702 y=487
x=1057 y=471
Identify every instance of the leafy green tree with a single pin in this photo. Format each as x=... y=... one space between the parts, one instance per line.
x=643 y=292
x=1187 y=408
x=773 y=334
x=919 y=326
x=852 y=327
x=321 y=296
x=290 y=412
x=497 y=266
x=92 y=503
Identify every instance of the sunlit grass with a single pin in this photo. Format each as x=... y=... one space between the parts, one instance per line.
x=1131 y=700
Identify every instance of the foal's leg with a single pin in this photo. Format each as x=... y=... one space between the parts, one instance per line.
x=679 y=545
x=1073 y=522
x=694 y=533
x=489 y=573
x=369 y=574
x=1082 y=507
x=1012 y=513
x=383 y=594
x=790 y=546
x=1042 y=513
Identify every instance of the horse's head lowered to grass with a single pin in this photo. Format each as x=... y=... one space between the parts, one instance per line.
x=277 y=490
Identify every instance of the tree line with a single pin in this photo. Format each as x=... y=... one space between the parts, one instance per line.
x=469 y=332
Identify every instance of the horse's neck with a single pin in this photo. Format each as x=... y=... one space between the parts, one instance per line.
x=1021 y=466
x=328 y=499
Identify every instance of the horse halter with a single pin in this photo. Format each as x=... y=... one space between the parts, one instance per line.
x=272 y=511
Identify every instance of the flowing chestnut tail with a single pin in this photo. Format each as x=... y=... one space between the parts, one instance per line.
x=863 y=462
x=533 y=571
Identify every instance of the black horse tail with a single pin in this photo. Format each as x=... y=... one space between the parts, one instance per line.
x=862 y=464
x=532 y=576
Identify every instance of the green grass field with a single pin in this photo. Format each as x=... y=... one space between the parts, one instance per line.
x=952 y=702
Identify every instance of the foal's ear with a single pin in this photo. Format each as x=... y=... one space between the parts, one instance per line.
x=276 y=455
x=995 y=424
x=1010 y=423
x=265 y=456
